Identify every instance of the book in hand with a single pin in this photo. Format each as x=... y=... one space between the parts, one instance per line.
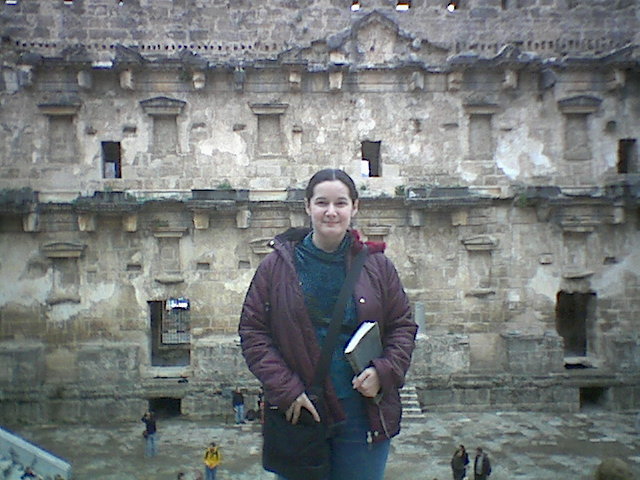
x=364 y=346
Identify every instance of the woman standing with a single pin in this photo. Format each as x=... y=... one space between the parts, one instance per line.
x=459 y=463
x=285 y=319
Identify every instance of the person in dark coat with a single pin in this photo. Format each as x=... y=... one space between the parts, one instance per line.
x=237 y=401
x=481 y=465
x=149 y=419
x=285 y=318
x=459 y=463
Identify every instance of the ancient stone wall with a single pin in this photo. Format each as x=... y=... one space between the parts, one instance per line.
x=243 y=29
x=145 y=165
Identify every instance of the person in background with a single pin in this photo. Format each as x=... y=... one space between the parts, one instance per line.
x=285 y=318
x=459 y=463
x=237 y=401
x=28 y=473
x=481 y=465
x=261 y=404
x=149 y=419
x=212 y=458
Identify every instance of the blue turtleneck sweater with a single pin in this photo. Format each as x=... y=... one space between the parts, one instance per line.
x=322 y=275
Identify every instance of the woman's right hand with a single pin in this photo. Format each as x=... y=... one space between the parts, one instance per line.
x=293 y=412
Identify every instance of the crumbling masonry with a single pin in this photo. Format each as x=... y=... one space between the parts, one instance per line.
x=149 y=149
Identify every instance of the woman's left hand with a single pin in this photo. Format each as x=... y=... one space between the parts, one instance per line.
x=367 y=383
x=303 y=401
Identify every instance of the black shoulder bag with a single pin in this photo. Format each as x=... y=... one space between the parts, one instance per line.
x=301 y=451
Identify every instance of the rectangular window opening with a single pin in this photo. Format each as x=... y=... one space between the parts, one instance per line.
x=111 y=160
x=627 y=156
x=170 y=341
x=371 y=164
x=176 y=322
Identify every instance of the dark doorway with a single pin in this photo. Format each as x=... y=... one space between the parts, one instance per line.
x=164 y=354
x=165 y=407
x=593 y=397
x=573 y=311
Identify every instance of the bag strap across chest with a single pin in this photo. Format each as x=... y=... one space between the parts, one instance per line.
x=336 y=321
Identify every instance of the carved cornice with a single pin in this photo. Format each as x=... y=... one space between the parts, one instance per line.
x=162 y=106
x=60 y=109
x=268 y=108
x=581 y=104
x=482 y=243
x=63 y=249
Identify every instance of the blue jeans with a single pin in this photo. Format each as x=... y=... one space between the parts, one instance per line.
x=210 y=473
x=352 y=457
x=150 y=446
x=239 y=410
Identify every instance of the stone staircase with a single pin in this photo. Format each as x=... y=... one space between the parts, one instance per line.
x=411 y=410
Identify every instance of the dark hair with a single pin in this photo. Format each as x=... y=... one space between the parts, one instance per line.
x=327 y=175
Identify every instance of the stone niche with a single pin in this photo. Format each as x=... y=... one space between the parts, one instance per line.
x=576 y=110
x=22 y=364
x=440 y=355
x=269 y=141
x=164 y=113
x=622 y=352
x=66 y=274
x=480 y=248
x=486 y=352
x=533 y=354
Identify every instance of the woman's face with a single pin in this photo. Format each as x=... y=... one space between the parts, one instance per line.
x=331 y=210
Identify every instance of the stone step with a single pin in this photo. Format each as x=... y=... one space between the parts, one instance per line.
x=411 y=409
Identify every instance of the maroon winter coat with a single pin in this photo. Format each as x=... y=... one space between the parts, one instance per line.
x=279 y=342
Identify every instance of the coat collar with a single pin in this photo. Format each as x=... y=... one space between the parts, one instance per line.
x=295 y=235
